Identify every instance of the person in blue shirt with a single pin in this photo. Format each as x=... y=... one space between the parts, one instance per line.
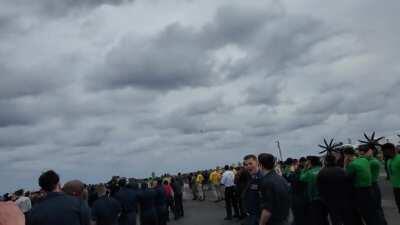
x=128 y=198
x=105 y=210
x=57 y=207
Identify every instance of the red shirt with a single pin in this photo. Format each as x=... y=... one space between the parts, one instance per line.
x=168 y=190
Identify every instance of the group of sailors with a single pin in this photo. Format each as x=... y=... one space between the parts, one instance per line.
x=339 y=188
x=118 y=202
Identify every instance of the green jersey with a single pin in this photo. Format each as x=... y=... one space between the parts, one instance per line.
x=360 y=170
x=310 y=178
x=394 y=171
x=375 y=165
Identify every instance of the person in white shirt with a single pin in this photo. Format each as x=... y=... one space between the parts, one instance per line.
x=23 y=203
x=228 y=181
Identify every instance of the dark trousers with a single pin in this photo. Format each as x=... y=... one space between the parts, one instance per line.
x=318 y=213
x=378 y=203
x=396 y=192
x=365 y=204
x=299 y=209
x=231 y=202
x=178 y=205
x=252 y=220
x=162 y=215
x=127 y=218
x=342 y=212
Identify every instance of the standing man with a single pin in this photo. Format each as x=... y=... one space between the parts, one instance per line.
x=394 y=170
x=275 y=194
x=177 y=186
x=128 y=198
x=215 y=180
x=317 y=211
x=23 y=202
x=367 y=151
x=105 y=210
x=228 y=180
x=199 y=186
x=57 y=207
x=359 y=171
x=335 y=190
x=251 y=192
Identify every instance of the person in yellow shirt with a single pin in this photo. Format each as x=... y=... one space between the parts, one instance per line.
x=215 y=179
x=199 y=184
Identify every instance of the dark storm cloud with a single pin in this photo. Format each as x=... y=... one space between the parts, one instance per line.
x=99 y=86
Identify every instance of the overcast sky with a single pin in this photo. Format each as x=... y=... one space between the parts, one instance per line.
x=95 y=88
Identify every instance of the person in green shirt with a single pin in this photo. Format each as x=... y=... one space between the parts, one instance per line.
x=318 y=213
x=367 y=151
x=394 y=170
x=359 y=170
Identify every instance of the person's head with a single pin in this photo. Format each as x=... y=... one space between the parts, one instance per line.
x=389 y=150
x=226 y=167
x=314 y=161
x=365 y=150
x=165 y=182
x=75 y=188
x=49 y=181
x=122 y=182
x=101 y=190
x=330 y=160
x=19 y=193
x=266 y=161
x=250 y=163
x=349 y=152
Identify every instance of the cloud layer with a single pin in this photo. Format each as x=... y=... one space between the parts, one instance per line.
x=99 y=87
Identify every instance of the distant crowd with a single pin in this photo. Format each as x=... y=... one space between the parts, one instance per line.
x=338 y=187
x=118 y=202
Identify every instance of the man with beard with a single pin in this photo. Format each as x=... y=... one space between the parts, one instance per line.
x=251 y=192
x=128 y=198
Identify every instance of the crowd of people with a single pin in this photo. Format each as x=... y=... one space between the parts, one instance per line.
x=339 y=188
x=118 y=202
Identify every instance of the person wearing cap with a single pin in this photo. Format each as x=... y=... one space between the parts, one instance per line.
x=394 y=170
x=274 y=193
x=128 y=199
x=105 y=210
x=367 y=151
x=58 y=207
x=359 y=171
x=316 y=209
